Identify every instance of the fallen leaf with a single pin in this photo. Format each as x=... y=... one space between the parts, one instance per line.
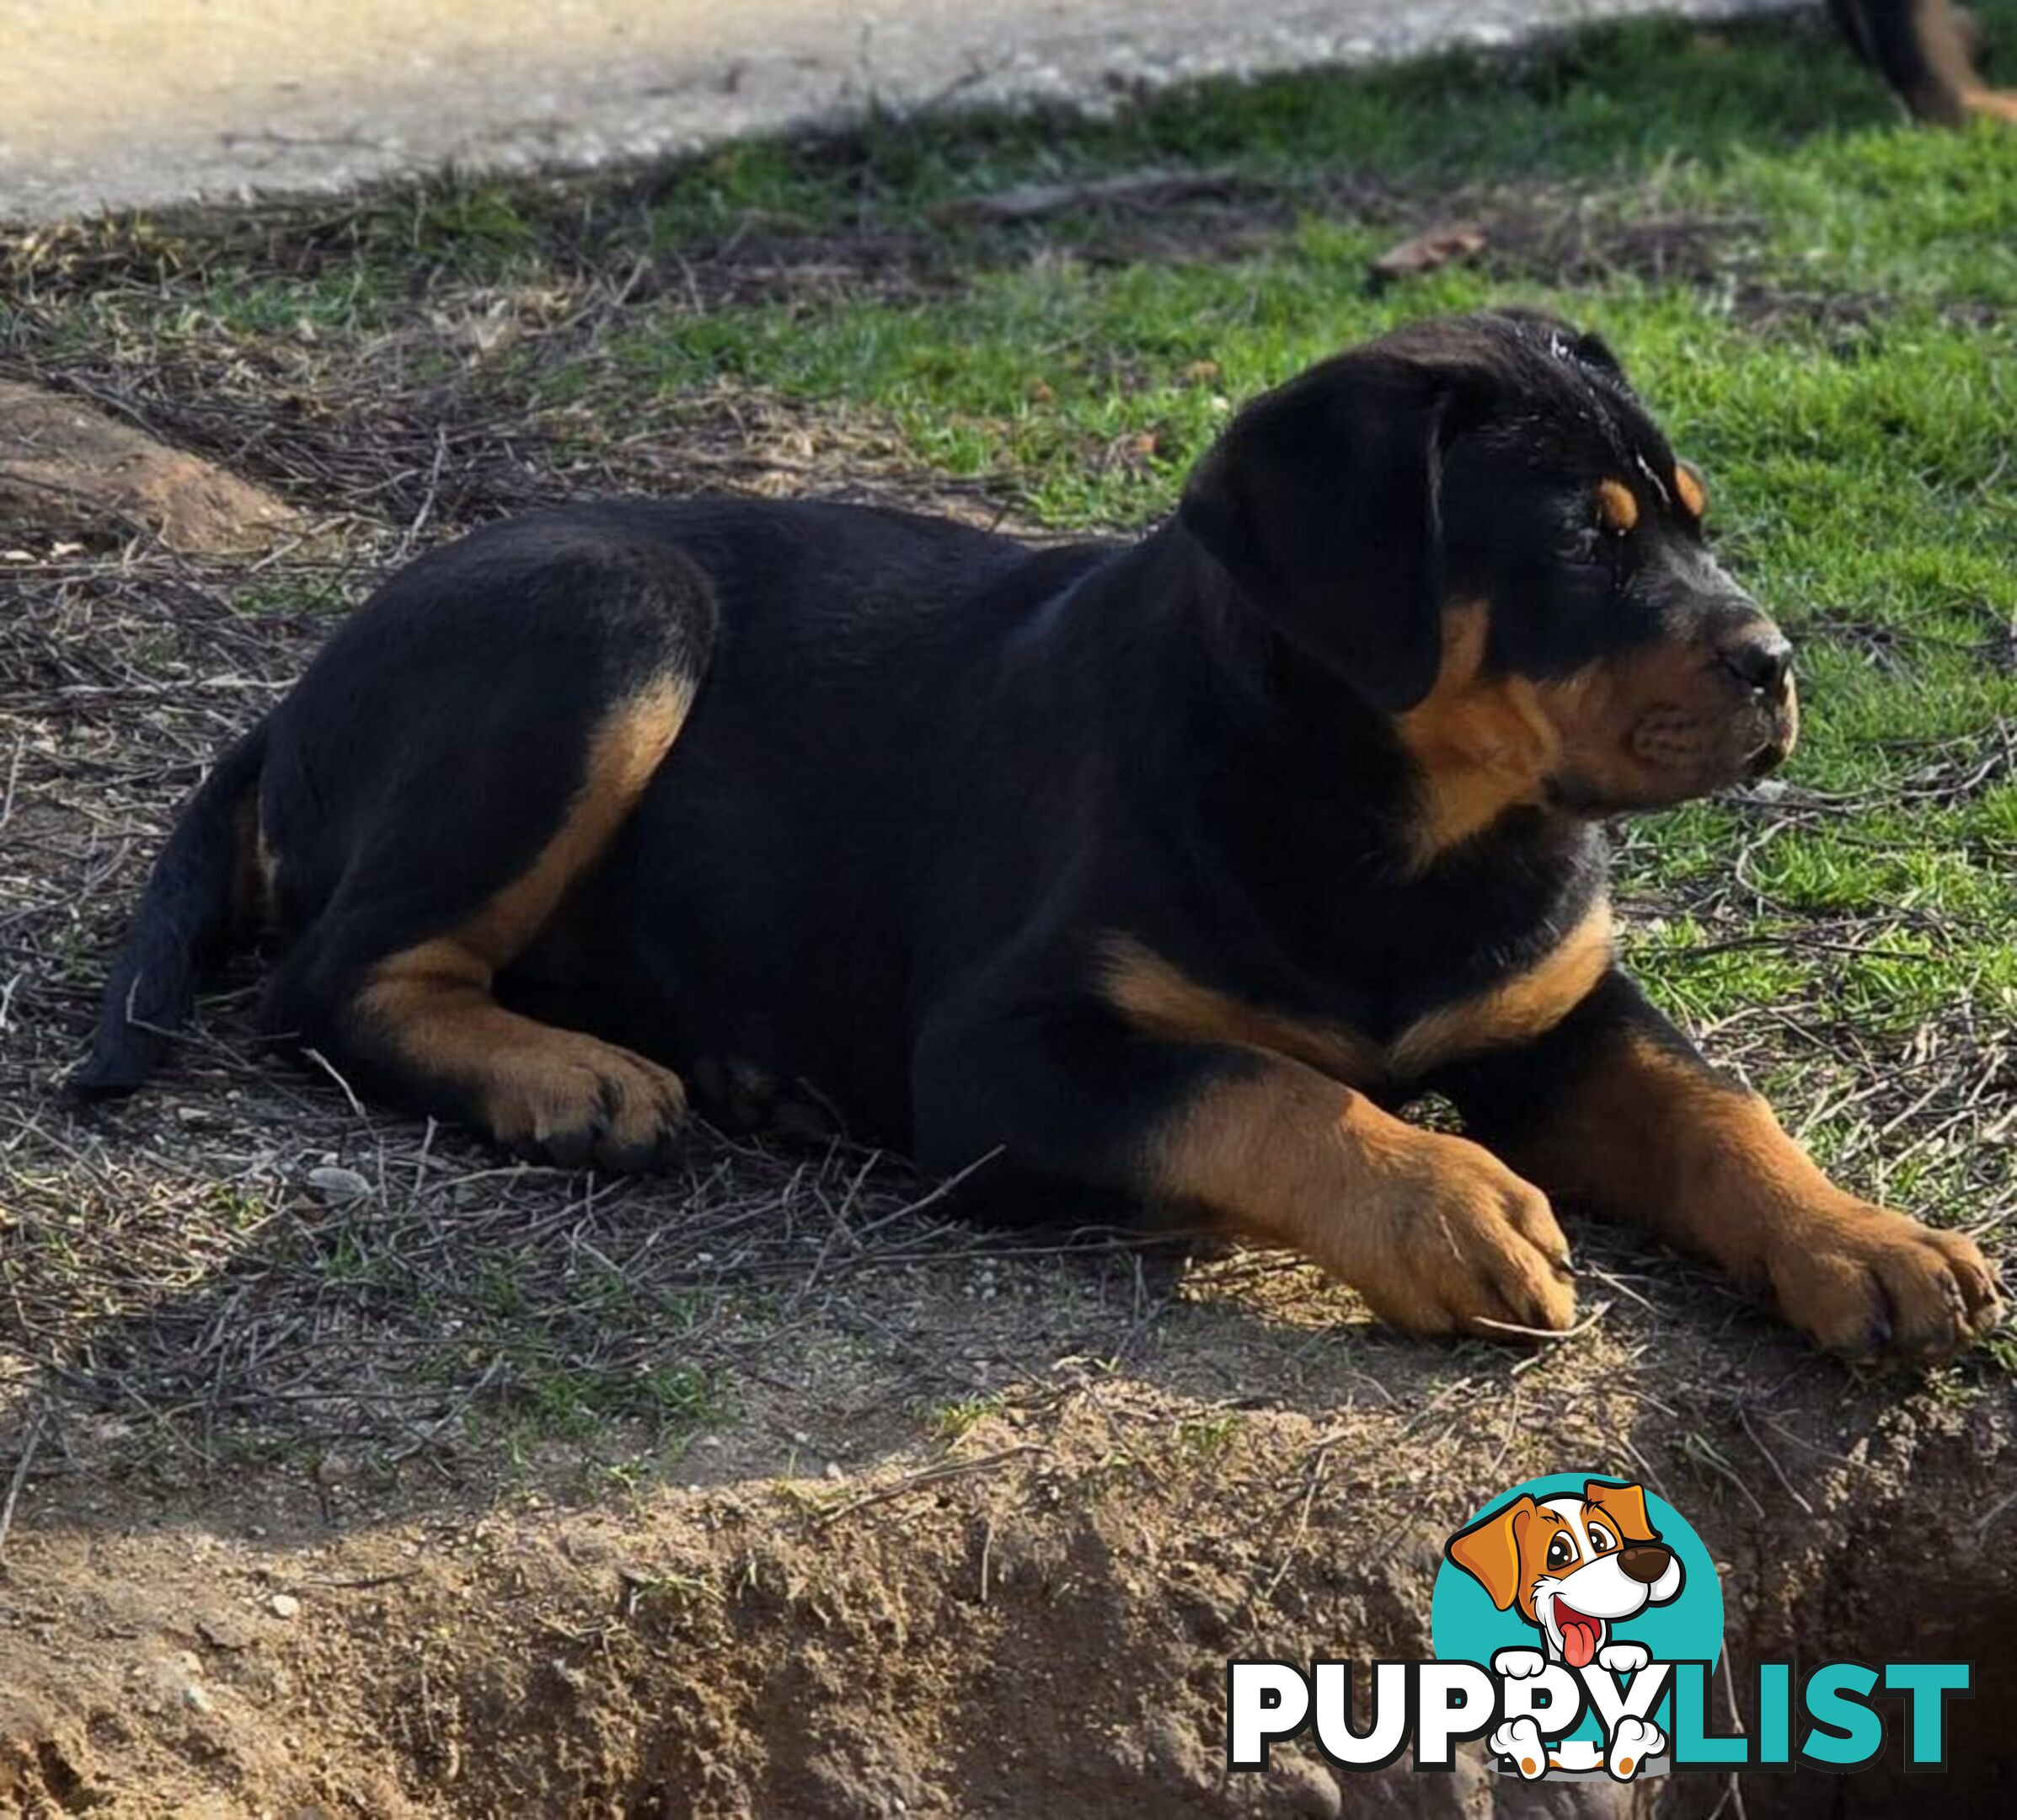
x=1430 y=251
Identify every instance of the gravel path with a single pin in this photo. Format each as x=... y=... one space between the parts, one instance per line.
x=140 y=103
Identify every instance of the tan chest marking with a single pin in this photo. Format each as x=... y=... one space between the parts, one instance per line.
x=1161 y=1001
x=1484 y=744
x=1518 y=1008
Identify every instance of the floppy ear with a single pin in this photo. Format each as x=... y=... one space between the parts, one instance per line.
x=1625 y=1505
x=1489 y=1551
x=1320 y=501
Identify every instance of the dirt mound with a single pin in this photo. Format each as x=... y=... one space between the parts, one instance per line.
x=65 y=466
x=1031 y=1621
x=349 y=1469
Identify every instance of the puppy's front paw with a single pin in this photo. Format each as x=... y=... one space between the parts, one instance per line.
x=1467 y=1246
x=1518 y=1664
x=1518 y=1741
x=1632 y=1743
x=1862 y=1280
x=1623 y=1658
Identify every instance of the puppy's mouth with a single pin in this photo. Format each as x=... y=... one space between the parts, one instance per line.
x=1672 y=748
x=1767 y=759
x=1683 y=753
x=1582 y=1636
x=1778 y=743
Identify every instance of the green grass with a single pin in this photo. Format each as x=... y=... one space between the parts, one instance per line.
x=1841 y=360
x=1847 y=379
x=1818 y=300
x=954 y=1420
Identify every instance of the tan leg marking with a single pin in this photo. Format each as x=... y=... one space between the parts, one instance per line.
x=1435 y=1232
x=1948 y=87
x=1651 y=1137
x=624 y=754
x=1992 y=104
x=572 y=1096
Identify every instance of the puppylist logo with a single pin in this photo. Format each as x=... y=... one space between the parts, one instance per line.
x=1576 y=1623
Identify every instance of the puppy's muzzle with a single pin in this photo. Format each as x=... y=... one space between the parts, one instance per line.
x=1756 y=657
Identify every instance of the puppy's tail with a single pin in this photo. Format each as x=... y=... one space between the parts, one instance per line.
x=197 y=894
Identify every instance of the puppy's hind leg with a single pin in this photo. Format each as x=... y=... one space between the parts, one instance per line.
x=457 y=761
x=1926 y=51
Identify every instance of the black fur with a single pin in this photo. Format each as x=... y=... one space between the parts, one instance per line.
x=1924 y=49
x=931 y=771
x=183 y=921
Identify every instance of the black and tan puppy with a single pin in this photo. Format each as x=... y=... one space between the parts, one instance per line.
x=1162 y=869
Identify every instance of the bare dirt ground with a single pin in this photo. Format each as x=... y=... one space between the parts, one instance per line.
x=347 y=1470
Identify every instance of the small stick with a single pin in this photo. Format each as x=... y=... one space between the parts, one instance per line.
x=33 y=1441
x=930 y=1475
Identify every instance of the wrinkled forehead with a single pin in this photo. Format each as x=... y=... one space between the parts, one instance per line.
x=1578 y=425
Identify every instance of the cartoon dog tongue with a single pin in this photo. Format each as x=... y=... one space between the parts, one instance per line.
x=1579 y=1635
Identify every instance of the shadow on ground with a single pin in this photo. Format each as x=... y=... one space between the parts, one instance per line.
x=349 y=1470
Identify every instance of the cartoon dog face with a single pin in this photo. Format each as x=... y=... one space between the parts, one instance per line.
x=1573 y=1566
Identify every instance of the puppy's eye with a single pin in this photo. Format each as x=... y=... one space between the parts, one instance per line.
x=1561 y=1552
x=1601 y=1539
x=1585 y=546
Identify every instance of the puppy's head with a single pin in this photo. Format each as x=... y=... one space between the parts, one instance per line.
x=1476 y=526
x=1572 y=1566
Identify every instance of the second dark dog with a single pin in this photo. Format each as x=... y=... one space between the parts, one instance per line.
x=1926 y=51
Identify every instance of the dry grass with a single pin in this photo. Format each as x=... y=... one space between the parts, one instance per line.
x=243 y=1258
x=254 y=1336
x=172 y=1264
x=185 y=1270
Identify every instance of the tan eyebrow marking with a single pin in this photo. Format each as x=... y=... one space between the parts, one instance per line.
x=1617 y=506
x=1687 y=486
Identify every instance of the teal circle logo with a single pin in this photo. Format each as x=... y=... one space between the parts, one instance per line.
x=1575 y=1570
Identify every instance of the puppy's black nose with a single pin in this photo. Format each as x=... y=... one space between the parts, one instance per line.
x=1645 y=1561
x=1759 y=660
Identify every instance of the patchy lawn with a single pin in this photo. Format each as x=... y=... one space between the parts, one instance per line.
x=772 y=1407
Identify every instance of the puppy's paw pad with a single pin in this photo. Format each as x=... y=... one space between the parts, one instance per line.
x=1633 y=1742
x=1518 y=1741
